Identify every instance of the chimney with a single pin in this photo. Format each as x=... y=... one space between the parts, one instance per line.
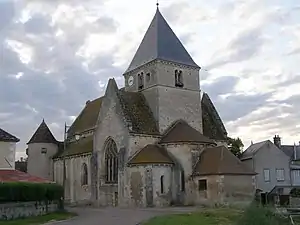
x=277 y=141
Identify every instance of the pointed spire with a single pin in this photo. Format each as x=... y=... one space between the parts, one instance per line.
x=42 y=135
x=160 y=42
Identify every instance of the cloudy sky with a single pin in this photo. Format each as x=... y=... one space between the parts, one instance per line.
x=57 y=54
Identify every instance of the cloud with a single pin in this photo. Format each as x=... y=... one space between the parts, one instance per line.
x=55 y=55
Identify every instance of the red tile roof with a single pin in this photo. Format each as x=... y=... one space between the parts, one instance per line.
x=18 y=176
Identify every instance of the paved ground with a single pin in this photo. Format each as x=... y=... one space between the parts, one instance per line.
x=117 y=216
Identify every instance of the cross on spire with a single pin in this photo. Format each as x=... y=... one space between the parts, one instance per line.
x=157 y=3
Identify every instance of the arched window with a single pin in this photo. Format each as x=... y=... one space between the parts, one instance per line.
x=84 y=174
x=162 y=184
x=182 y=181
x=178 y=78
x=111 y=162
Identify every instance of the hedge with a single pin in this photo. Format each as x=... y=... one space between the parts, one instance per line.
x=25 y=192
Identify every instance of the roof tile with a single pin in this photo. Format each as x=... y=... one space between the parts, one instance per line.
x=151 y=154
x=181 y=131
x=220 y=161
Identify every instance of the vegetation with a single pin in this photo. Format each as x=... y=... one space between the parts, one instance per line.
x=205 y=217
x=40 y=219
x=254 y=215
x=24 y=192
x=235 y=145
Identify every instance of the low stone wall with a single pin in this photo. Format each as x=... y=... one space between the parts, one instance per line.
x=9 y=211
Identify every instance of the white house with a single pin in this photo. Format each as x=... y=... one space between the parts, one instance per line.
x=7 y=150
x=270 y=163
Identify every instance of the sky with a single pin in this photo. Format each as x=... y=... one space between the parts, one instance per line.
x=55 y=55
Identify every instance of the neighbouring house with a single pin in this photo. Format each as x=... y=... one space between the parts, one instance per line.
x=270 y=163
x=158 y=141
x=8 y=172
x=293 y=152
x=8 y=144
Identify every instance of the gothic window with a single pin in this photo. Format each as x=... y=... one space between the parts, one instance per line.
x=84 y=174
x=178 y=78
x=111 y=162
x=141 y=80
x=162 y=184
x=148 y=77
x=182 y=180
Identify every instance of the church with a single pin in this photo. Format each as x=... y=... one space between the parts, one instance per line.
x=156 y=142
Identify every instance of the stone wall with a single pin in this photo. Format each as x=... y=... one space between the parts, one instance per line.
x=75 y=192
x=39 y=162
x=225 y=189
x=12 y=211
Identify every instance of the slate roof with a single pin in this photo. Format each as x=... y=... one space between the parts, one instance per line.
x=7 y=137
x=42 y=135
x=160 y=42
x=252 y=150
x=289 y=151
x=83 y=145
x=137 y=111
x=182 y=132
x=213 y=126
x=18 y=176
x=87 y=118
x=151 y=154
x=220 y=161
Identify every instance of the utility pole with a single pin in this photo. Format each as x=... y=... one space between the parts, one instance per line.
x=64 y=159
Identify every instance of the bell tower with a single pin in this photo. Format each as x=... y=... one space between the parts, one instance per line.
x=166 y=74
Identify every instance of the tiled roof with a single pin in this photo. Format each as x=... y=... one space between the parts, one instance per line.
x=87 y=119
x=213 y=126
x=137 y=111
x=160 y=42
x=83 y=145
x=42 y=135
x=7 y=137
x=18 y=176
x=151 y=154
x=290 y=151
x=181 y=132
x=252 y=150
x=220 y=161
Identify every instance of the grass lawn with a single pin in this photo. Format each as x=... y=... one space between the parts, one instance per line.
x=222 y=216
x=40 y=219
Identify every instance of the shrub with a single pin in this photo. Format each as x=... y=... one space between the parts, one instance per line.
x=25 y=192
x=259 y=215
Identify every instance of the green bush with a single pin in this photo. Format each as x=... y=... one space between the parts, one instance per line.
x=25 y=192
x=259 y=215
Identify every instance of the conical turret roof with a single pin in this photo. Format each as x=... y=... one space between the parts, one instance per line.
x=42 y=135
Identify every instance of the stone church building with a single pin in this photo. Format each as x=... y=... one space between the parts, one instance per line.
x=156 y=142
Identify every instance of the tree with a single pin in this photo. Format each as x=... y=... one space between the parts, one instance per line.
x=235 y=145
